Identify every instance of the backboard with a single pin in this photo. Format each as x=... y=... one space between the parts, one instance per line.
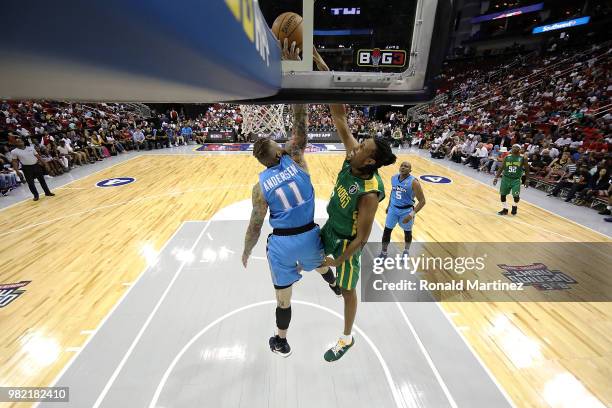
x=379 y=51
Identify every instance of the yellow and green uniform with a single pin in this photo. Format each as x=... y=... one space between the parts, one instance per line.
x=341 y=227
x=512 y=174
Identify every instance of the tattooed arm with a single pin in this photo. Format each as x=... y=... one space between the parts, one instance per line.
x=296 y=146
x=260 y=208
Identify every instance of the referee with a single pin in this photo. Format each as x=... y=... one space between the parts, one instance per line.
x=31 y=169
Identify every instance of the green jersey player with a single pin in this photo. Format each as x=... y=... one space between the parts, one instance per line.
x=352 y=207
x=512 y=170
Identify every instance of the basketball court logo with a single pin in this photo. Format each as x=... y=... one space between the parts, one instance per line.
x=10 y=292
x=115 y=182
x=537 y=275
x=377 y=57
x=432 y=178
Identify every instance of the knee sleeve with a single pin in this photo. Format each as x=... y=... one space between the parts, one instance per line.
x=503 y=199
x=387 y=235
x=408 y=236
x=516 y=199
x=283 y=317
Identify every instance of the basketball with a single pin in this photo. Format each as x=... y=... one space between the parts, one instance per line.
x=288 y=25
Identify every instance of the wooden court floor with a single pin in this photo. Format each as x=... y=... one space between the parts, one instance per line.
x=81 y=249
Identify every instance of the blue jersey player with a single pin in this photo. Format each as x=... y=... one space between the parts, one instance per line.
x=295 y=244
x=405 y=188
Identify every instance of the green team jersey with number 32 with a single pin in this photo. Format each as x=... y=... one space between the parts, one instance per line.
x=513 y=167
x=342 y=207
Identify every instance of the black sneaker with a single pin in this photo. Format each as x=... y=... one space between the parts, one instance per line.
x=50 y=195
x=336 y=289
x=514 y=209
x=605 y=211
x=280 y=346
x=503 y=212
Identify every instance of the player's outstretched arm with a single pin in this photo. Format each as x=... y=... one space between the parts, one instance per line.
x=258 y=214
x=368 y=203
x=337 y=111
x=339 y=117
x=297 y=144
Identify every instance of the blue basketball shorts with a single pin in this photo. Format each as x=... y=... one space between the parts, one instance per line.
x=396 y=215
x=288 y=255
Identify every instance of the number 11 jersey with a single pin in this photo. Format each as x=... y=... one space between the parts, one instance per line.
x=289 y=193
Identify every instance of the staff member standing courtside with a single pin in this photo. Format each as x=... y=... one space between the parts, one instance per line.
x=31 y=169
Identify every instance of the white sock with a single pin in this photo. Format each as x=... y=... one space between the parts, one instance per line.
x=347 y=339
x=505 y=204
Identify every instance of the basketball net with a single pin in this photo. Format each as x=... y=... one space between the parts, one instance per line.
x=264 y=121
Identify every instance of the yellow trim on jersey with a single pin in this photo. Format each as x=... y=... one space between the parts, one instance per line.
x=371 y=184
x=343 y=263
x=351 y=272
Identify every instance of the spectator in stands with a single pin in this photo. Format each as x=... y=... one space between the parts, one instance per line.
x=125 y=138
x=479 y=157
x=8 y=181
x=491 y=158
x=178 y=136
x=558 y=166
x=139 y=139
x=55 y=154
x=186 y=132
x=80 y=149
x=162 y=138
x=597 y=187
x=63 y=151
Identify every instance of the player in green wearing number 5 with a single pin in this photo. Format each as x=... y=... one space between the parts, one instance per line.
x=513 y=167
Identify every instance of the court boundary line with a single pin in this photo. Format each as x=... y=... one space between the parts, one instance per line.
x=428 y=358
x=145 y=326
x=397 y=395
x=522 y=199
x=74 y=181
x=111 y=312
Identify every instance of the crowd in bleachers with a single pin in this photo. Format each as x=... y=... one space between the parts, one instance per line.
x=556 y=106
x=65 y=135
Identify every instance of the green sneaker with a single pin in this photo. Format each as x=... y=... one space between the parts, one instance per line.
x=336 y=352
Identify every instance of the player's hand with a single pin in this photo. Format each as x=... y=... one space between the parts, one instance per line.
x=526 y=184
x=329 y=261
x=245 y=259
x=408 y=218
x=290 y=53
x=495 y=181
